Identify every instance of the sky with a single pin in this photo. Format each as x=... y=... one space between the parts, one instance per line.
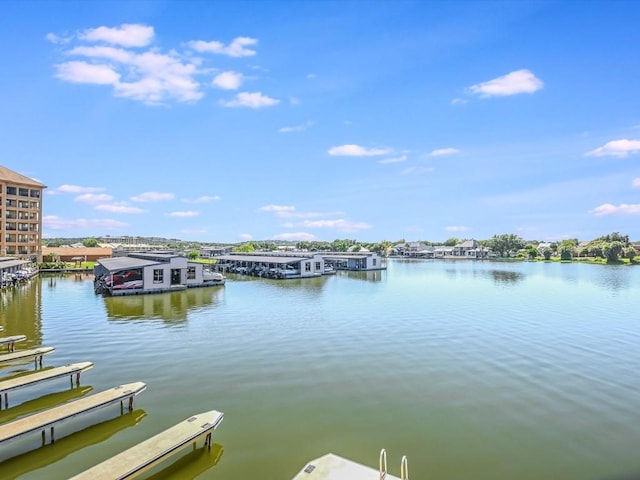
x=229 y=121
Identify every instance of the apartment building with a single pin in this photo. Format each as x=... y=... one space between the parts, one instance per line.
x=21 y=216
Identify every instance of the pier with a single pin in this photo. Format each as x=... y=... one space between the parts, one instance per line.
x=145 y=455
x=334 y=467
x=36 y=354
x=11 y=341
x=48 y=419
x=26 y=380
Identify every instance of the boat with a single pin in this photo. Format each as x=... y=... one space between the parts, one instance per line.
x=212 y=278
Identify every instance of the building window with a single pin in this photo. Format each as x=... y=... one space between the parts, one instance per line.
x=35 y=193
x=191 y=273
x=158 y=276
x=11 y=190
x=374 y=262
x=23 y=192
x=317 y=266
x=307 y=266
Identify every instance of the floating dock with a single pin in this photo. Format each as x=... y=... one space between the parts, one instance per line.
x=141 y=457
x=36 y=354
x=334 y=467
x=11 y=341
x=26 y=380
x=48 y=419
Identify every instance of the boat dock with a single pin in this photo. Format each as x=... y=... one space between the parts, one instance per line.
x=36 y=353
x=334 y=467
x=11 y=341
x=26 y=380
x=141 y=457
x=48 y=419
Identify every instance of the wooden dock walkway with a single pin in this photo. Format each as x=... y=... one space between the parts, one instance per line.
x=50 y=418
x=25 y=380
x=141 y=457
x=11 y=341
x=36 y=353
x=334 y=467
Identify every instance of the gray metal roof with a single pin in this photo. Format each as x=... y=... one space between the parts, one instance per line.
x=262 y=258
x=123 y=263
x=12 y=263
x=345 y=257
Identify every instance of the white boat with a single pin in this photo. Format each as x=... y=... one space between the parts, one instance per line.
x=213 y=278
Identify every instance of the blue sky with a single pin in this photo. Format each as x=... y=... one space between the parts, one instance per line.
x=230 y=121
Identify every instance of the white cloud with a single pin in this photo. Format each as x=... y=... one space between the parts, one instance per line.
x=443 y=151
x=296 y=236
x=416 y=170
x=56 y=223
x=250 y=100
x=277 y=209
x=458 y=101
x=56 y=39
x=358 y=151
x=120 y=207
x=288 y=211
x=75 y=189
x=202 y=199
x=245 y=237
x=399 y=159
x=622 y=209
x=127 y=35
x=93 y=198
x=339 y=224
x=457 y=228
x=148 y=197
x=297 y=128
x=636 y=182
x=83 y=72
x=616 y=148
x=520 y=81
x=237 y=48
x=228 y=80
x=187 y=213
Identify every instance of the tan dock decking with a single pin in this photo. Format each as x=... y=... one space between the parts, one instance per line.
x=11 y=341
x=36 y=353
x=141 y=457
x=50 y=418
x=333 y=467
x=23 y=381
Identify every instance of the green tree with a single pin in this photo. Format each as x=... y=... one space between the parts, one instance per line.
x=90 y=242
x=596 y=251
x=244 y=248
x=630 y=253
x=547 y=253
x=451 y=242
x=506 y=244
x=193 y=254
x=566 y=252
x=532 y=252
x=613 y=250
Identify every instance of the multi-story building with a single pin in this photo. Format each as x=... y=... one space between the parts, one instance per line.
x=20 y=216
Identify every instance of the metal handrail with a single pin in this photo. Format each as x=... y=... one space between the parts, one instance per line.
x=404 y=468
x=383 y=464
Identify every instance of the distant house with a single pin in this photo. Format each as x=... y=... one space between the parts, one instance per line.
x=469 y=249
x=211 y=252
x=71 y=254
x=414 y=249
x=151 y=272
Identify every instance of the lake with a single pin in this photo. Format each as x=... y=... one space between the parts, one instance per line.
x=473 y=369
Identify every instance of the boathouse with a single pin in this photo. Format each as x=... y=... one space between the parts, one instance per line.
x=156 y=272
x=273 y=264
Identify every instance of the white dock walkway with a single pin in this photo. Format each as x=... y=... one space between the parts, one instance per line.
x=11 y=341
x=25 y=380
x=333 y=467
x=36 y=353
x=141 y=457
x=54 y=416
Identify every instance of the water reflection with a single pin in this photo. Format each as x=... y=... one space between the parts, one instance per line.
x=191 y=465
x=52 y=452
x=368 y=276
x=44 y=402
x=21 y=312
x=506 y=276
x=170 y=306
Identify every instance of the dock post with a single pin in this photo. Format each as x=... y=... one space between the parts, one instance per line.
x=44 y=441
x=78 y=379
x=53 y=439
x=207 y=441
x=131 y=403
x=6 y=400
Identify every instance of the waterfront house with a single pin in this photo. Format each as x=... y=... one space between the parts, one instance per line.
x=414 y=249
x=151 y=272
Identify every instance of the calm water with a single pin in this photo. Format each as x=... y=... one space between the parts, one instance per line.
x=474 y=370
